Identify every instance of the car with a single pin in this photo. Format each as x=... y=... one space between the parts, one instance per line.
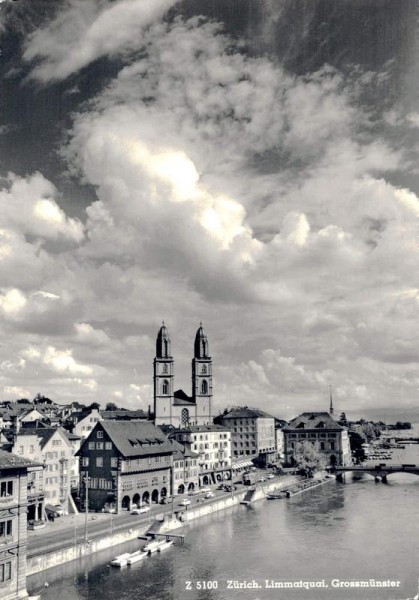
x=205 y=490
x=209 y=495
x=262 y=479
x=194 y=492
x=141 y=510
x=59 y=509
x=185 y=502
x=270 y=476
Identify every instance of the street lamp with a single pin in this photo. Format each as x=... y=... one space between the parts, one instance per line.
x=86 y=506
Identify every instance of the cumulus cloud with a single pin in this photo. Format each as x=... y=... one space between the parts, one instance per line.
x=227 y=190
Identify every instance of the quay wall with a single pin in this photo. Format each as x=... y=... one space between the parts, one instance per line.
x=55 y=558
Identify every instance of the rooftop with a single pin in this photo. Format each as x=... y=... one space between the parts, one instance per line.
x=313 y=420
x=12 y=461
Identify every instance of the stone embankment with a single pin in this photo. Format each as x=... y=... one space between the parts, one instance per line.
x=48 y=560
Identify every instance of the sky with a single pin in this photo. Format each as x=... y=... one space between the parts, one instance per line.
x=251 y=165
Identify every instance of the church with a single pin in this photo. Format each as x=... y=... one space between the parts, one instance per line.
x=176 y=407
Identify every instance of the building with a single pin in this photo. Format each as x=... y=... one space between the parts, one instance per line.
x=213 y=445
x=185 y=469
x=323 y=432
x=53 y=449
x=13 y=524
x=126 y=463
x=177 y=407
x=84 y=422
x=252 y=433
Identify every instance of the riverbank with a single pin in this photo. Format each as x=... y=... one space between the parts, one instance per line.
x=43 y=561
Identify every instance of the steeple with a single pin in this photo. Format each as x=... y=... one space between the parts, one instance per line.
x=331 y=401
x=163 y=343
x=202 y=378
x=201 y=344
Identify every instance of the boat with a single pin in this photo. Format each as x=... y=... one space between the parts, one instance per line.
x=165 y=545
x=121 y=560
x=153 y=546
x=276 y=495
x=136 y=557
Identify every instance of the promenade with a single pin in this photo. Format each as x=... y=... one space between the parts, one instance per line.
x=65 y=539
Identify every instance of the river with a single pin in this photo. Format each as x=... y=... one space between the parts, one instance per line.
x=353 y=531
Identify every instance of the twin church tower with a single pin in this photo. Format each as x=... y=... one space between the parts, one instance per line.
x=176 y=407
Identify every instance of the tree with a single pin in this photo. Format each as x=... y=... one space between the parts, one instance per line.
x=93 y=406
x=308 y=460
x=111 y=406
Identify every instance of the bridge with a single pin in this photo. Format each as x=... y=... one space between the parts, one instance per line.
x=379 y=472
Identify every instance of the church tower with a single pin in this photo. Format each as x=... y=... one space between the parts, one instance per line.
x=202 y=378
x=163 y=379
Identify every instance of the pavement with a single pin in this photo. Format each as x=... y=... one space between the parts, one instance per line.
x=72 y=529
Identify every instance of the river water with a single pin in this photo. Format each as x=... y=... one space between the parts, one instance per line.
x=353 y=531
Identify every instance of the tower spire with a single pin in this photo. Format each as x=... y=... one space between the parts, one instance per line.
x=331 y=401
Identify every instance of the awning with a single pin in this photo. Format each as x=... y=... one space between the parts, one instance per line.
x=242 y=464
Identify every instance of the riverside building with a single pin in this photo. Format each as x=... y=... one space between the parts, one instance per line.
x=323 y=432
x=252 y=433
x=125 y=464
x=13 y=524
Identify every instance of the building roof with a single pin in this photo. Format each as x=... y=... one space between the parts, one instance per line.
x=12 y=461
x=44 y=433
x=123 y=414
x=135 y=438
x=181 y=398
x=181 y=451
x=313 y=420
x=243 y=412
x=201 y=429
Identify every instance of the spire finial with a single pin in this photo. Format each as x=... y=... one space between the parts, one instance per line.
x=331 y=401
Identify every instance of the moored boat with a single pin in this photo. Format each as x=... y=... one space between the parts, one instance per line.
x=276 y=495
x=136 y=557
x=165 y=545
x=121 y=560
x=153 y=546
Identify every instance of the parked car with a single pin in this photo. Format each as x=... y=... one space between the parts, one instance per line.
x=205 y=490
x=185 y=502
x=194 y=492
x=209 y=494
x=140 y=511
x=270 y=476
x=262 y=479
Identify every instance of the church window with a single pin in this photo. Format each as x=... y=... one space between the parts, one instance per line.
x=185 y=417
x=165 y=368
x=165 y=387
x=204 y=387
x=204 y=369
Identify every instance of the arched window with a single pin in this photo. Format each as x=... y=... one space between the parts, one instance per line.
x=185 y=417
x=204 y=387
x=204 y=369
x=165 y=387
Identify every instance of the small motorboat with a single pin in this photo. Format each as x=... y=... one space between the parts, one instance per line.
x=121 y=560
x=136 y=557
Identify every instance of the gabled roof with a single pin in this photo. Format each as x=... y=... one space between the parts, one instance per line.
x=43 y=433
x=313 y=420
x=243 y=412
x=135 y=438
x=12 y=461
x=181 y=451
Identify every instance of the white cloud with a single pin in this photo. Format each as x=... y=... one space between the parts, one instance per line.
x=87 y=30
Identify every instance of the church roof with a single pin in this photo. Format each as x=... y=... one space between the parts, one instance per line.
x=313 y=420
x=181 y=398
